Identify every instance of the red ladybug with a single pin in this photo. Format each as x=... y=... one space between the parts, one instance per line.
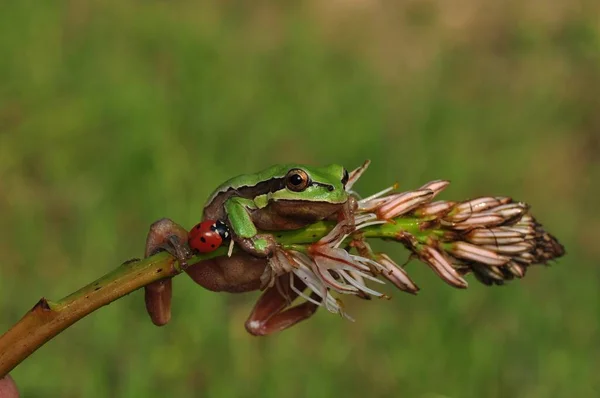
x=208 y=235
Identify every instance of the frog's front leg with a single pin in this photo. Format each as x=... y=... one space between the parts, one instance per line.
x=165 y=235
x=271 y=313
x=345 y=216
x=244 y=232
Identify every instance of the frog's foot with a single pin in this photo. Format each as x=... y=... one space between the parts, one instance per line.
x=273 y=313
x=157 y=296
x=164 y=235
x=280 y=263
x=261 y=245
x=267 y=278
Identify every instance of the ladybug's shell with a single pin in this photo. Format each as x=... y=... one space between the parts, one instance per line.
x=204 y=237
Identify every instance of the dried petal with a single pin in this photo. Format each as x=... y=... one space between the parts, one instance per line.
x=504 y=199
x=436 y=186
x=526 y=230
x=510 y=249
x=524 y=258
x=442 y=267
x=487 y=276
x=356 y=174
x=511 y=211
x=482 y=220
x=526 y=221
x=491 y=271
x=403 y=203
x=441 y=207
x=396 y=274
x=493 y=236
x=477 y=205
x=517 y=270
x=471 y=252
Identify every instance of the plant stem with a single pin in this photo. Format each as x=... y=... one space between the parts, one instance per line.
x=48 y=318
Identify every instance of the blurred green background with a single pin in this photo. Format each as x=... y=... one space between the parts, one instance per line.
x=114 y=114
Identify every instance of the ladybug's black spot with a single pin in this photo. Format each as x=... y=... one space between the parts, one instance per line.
x=198 y=226
x=203 y=239
x=212 y=245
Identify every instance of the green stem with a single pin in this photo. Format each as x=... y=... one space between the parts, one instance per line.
x=47 y=318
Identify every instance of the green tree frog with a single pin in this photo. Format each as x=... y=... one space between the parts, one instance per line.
x=281 y=197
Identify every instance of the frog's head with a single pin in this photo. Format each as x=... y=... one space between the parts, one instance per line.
x=312 y=184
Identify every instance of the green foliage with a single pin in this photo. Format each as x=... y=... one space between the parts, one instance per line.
x=114 y=114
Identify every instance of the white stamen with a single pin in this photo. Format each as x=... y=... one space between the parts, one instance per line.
x=376 y=195
x=301 y=293
x=230 y=251
x=358 y=285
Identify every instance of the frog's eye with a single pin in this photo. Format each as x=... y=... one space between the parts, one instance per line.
x=297 y=180
x=345 y=178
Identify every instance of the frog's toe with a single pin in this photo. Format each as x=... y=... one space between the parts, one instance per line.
x=262 y=245
x=157 y=296
x=178 y=249
x=166 y=235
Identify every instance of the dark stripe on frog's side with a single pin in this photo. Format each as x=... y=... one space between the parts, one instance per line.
x=215 y=210
x=242 y=181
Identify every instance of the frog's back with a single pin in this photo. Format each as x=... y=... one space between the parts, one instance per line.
x=245 y=185
x=252 y=185
x=248 y=180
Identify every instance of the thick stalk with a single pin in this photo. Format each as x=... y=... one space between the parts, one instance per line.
x=47 y=318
